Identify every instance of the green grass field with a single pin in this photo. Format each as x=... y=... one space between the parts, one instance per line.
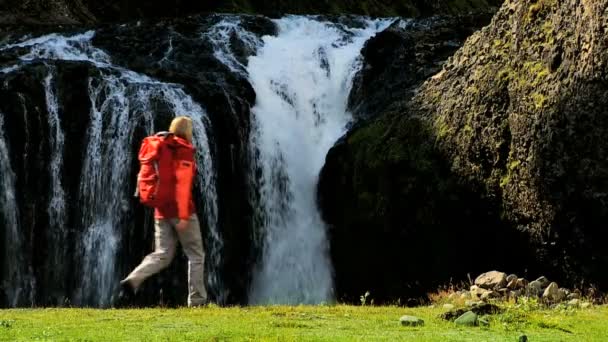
x=301 y=323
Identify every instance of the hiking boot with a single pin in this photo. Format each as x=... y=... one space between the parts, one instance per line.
x=126 y=296
x=199 y=303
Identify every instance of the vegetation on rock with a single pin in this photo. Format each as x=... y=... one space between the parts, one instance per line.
x=518 y=119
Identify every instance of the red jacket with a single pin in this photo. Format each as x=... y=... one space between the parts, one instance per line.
x=184 y=166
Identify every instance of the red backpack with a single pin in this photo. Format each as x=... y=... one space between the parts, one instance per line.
x=156 y=179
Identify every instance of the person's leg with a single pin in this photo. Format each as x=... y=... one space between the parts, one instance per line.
x=164 y=242
x=192 y=243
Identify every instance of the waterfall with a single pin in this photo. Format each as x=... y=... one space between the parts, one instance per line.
x=103 y=189
x=302 y=79
x=120 y=101
x=220 y=36
x=17 y=281
x=56 y=209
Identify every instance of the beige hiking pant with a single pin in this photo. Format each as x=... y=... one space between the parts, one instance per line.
x=165 y=239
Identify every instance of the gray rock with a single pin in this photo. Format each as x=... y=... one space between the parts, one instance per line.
x=480 y=293
x=522 y=283
x=411 y=321
x=534 y=288
x=469 y=318
x=483 y=322
x=552 y=293
x=563 y=293
x=491 y=280
x=472 y=303
x=573 y=302
x=465 y=295
x=489 y=295
x=543 y=281
x=574 y=295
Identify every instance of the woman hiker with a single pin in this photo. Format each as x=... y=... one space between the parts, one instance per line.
x=175 y=220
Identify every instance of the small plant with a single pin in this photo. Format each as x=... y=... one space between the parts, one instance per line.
x=6 y=324
x=363 y=298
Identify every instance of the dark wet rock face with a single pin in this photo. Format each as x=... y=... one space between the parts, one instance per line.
x=515 y=121
x=58 y=12
x=400 y=58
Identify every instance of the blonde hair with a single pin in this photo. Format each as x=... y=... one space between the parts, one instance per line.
x=181 y=126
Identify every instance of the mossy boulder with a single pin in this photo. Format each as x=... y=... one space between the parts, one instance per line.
x=508 y=137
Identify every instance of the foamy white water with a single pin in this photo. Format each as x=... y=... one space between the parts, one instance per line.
x=302 y=80
x=220 y=35
x=56 y=209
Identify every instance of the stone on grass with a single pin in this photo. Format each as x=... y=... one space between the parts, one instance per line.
x=553 y=293
x=534 y=288
x=411 y=321
x=469 y=318
x=543 y=281
x=573 y=302
x=491 y=280
x=574 y=295
x=514 y=294
x=448 y=306
x=483 y=322
x=489 y=295
x=478 y=292
x=522 y=283
x=473 y=303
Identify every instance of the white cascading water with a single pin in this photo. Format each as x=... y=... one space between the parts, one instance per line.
x=220 y=36
x=302 y=79
x=120 y=100
x=16 y=272
x=57 y=226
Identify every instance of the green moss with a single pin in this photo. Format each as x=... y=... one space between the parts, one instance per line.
x=540 y=101
x=514 y=164
x=539 y=8
x=442 y=128
x=506 y=179
x=533 y=74
x=467 y=130
x=369 y=133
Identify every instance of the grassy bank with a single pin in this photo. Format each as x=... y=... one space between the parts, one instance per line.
x=327 y=323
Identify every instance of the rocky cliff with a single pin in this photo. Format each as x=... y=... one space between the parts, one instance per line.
x=54 y=12
x=508 y=138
